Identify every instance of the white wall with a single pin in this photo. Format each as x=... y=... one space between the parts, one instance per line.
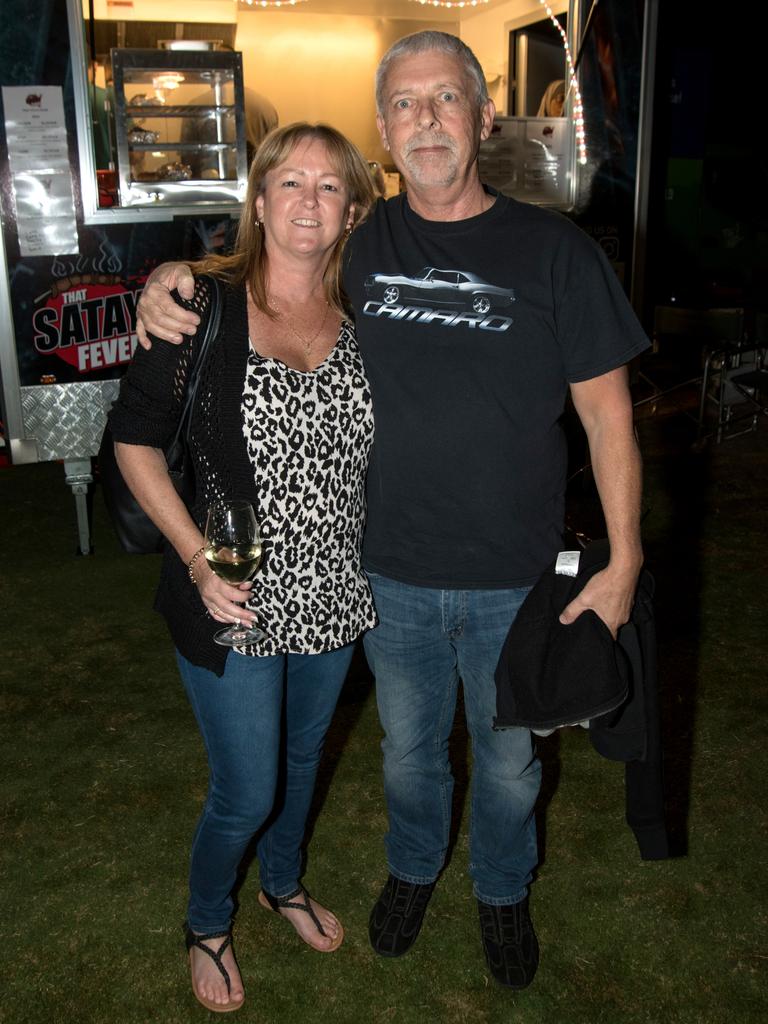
x=318 y=67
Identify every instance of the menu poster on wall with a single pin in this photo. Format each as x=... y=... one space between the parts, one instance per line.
x=75 y=316
x=36 y=137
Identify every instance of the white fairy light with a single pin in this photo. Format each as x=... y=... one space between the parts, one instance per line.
x=450 y=3
x=270 y=3
x=578 y=106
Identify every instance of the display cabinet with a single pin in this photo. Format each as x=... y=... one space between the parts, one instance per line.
x=532 y=159
x=180 y=126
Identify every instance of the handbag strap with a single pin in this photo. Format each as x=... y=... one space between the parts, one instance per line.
x=193 y=380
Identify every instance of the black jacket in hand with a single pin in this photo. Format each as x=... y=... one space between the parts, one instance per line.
x=551 y=675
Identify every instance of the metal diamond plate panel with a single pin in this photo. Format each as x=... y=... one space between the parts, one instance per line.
x=67 y=420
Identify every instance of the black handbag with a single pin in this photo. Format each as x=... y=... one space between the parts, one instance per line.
x=135 y=530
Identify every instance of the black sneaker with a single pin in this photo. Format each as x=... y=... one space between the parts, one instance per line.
x=397 y=915
x=510 y=943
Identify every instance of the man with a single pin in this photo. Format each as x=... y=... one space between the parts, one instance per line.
x=260 y=119
x=474 y=314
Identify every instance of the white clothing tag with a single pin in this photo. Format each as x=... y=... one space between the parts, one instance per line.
x=567 y=563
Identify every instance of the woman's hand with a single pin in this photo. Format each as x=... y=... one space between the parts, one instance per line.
x=223 y=600
x=145 y=472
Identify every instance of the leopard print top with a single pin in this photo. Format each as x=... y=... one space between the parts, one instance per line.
x=309 y=435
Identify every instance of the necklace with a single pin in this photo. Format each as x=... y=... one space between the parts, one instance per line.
x=306 y=342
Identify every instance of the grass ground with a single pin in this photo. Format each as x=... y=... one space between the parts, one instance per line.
x=102 y=775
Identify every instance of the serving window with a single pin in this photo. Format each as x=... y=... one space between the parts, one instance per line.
x=159 y=137
x=160 y=120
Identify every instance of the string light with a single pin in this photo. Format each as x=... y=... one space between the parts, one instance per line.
x=578 y=106
x=450 y=3
x=270 y=3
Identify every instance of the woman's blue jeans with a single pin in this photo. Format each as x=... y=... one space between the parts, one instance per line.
x=425 y=642
x=263 y=724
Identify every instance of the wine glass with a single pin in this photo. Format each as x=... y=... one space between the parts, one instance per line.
x=233 y=550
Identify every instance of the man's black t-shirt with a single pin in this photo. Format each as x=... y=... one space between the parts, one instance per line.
x=470 y=332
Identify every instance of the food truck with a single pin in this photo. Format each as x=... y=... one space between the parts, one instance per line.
x=127 y=127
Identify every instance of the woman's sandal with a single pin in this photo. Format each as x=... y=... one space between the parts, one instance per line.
x=278 y=903
x=191 y=939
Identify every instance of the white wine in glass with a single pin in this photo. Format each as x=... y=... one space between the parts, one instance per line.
x=233 y=550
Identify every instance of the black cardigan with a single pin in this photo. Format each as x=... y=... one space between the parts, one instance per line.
x=146 y=413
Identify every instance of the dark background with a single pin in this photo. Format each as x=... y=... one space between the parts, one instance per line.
x=708 y=230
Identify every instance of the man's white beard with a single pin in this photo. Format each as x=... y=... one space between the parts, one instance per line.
x=440 y=169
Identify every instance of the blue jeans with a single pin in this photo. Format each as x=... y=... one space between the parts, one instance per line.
x=263 y=724
x=425 y=642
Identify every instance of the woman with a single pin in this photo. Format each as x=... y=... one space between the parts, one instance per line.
x=283 y=418
x=553 y=100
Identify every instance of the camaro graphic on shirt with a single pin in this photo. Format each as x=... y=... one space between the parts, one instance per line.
x=450 y=297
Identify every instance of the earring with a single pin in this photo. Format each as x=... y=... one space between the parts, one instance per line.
x=260 y=225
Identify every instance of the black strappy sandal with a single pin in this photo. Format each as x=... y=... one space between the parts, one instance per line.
x=278 y=903
x=191 y=939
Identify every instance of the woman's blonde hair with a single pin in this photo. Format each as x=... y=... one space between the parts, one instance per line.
x=248 y=262
x=553 y=91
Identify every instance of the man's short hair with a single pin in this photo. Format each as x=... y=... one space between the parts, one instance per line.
x=421 y=42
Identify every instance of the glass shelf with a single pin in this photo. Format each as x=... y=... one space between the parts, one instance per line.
x=180 y=147
x=179 y=110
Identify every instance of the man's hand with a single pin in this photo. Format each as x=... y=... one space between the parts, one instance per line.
x=159 y=314
x=609 y=594
x=604 y=406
